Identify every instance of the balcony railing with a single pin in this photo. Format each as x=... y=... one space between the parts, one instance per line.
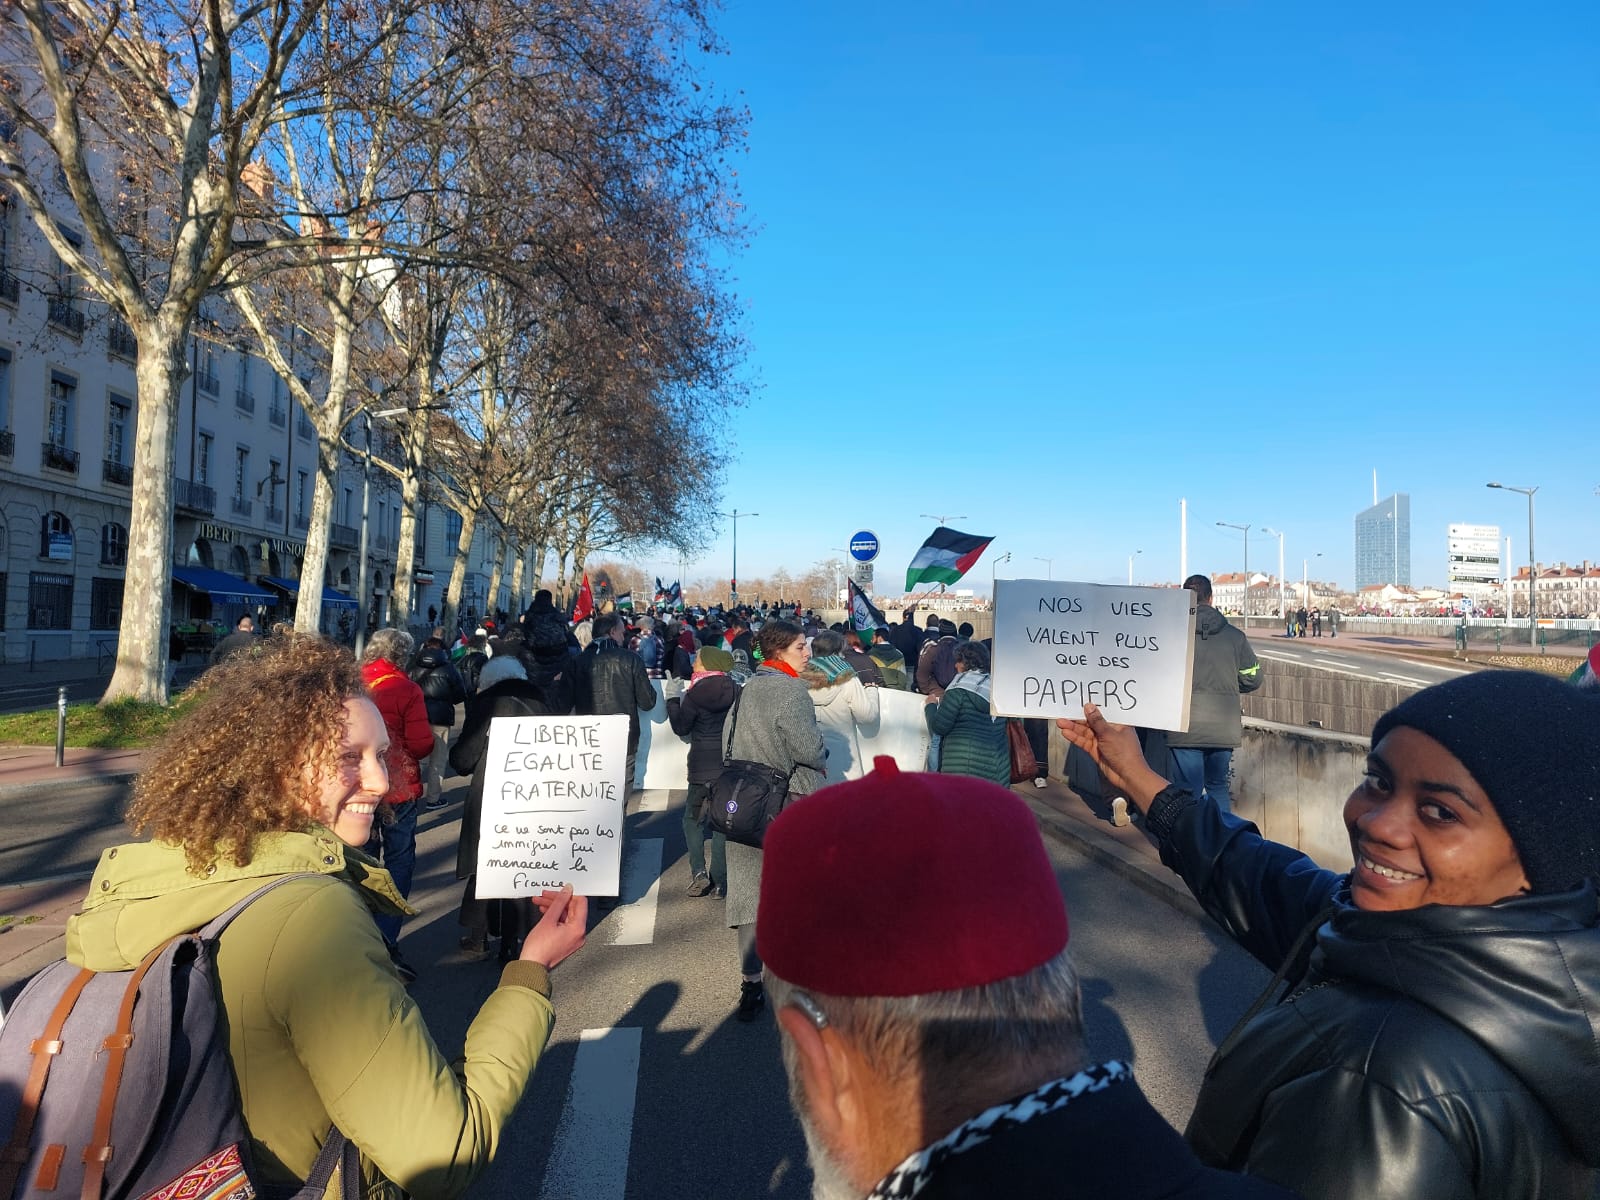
x=244 y=401
x=385 y=543
x=59 y=458
x=115 y=472
x=304 y=428
x=274 y=516
x=346 y=537
x=10 y=288
x=8 y=443
x=120 y=340
x=196 y=497
x=207 y=382
x=277 y=415
x=66 y=315
x=241 y=506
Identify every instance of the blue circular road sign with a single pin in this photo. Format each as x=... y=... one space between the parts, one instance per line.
x=864 y=546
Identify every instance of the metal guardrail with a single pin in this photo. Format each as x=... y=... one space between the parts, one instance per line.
x=10 y=288
x=120 y=340
x=277 y=416
x=274 y=516
x=116 y=472
x=346 y=537
x=241 y=506
x=196 y=497
x=244 y=401
x=208 y=383
x=66 y=316
x=58 y=458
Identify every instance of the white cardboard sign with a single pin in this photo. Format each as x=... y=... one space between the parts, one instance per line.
x=1059 y=645
x=553 y=798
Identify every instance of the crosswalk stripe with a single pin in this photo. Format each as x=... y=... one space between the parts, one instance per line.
x=589 y=1157
x=633 y=922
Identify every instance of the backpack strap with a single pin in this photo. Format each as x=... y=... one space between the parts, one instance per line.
x=733 y=727
x=44 y=1049
x=99 y=1150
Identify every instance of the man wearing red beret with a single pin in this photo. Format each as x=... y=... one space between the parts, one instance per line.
x=936 y=1050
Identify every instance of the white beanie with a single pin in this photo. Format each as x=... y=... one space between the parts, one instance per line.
x=500 y=667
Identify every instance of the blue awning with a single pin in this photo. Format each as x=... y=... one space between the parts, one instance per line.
x=329 y=596
x=219 y=585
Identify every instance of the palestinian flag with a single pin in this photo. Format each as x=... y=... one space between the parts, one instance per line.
x=675 y=595
x=865 y=617
x=624 y=602
x=945 y=557
x=662 y=595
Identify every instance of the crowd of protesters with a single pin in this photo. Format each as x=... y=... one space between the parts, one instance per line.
x=1437 y=1034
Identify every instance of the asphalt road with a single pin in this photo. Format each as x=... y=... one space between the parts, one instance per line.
x=60 y=833
x=1327 y=654
x=650 y=1088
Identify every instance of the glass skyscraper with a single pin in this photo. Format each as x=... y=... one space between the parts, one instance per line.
x=1383 y=543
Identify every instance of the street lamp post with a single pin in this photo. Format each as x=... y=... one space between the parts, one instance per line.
x=942 y=518
x=1049 y=565
x=1305 y=577
x=1270 y=532
x=1246 y=530
x=734 y=581
x=1131 y=557
x=1533 y=620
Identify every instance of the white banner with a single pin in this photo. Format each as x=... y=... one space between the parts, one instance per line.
x=1059 y=645
x=553 y=796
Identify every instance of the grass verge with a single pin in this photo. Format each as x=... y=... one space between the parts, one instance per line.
x=121 y=725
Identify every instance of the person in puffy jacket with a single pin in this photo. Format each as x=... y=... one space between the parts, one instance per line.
x=405 y=715
x=971 y=741
x=442 y=689
x=318 y=1024
x=699 y=715
x=845 y=706
x=1440 y=1033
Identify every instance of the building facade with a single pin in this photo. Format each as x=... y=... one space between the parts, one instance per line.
x=1383 y=543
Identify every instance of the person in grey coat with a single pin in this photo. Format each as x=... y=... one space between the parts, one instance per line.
x=773 y=722
x=1225 y=667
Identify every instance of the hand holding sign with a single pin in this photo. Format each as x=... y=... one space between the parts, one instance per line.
x=561 y=931
x=1116 y=751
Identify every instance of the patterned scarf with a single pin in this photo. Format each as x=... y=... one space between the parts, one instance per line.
x=829 y=666
x=911 y=1176
x=972 y=681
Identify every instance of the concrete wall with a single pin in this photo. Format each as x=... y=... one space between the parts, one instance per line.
x=1294 y=695
x=1291 y=782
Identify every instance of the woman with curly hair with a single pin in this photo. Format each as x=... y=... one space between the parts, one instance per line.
x=322 y=1035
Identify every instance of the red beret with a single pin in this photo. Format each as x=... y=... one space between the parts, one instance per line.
x=905 y=884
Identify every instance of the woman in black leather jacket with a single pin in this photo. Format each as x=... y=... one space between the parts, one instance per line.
x=1440 y=1033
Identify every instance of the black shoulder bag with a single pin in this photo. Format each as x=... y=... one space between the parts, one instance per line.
x=747 y=796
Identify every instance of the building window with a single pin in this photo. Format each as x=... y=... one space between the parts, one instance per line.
x=10 y=288
x=3 y=595
x=64 y=310
x=49 y=600
x=113 y=545
x=5 y=400
x=274 y=478
x=58 y=421
x=118 y=410
x=55 y=537
x=105 y=603
x=349 y=507
x=300 y=498
x=452 y=528
x=202 y=462
x=241 y=469
x=206 y=366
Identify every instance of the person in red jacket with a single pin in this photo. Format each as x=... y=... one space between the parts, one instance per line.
x=405 y=715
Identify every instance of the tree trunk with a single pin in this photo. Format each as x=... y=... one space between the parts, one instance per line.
x=493 y=601
x=414 y=442
x=314 y=569
x=519 y=601
x=458 y=568
x=141 y=672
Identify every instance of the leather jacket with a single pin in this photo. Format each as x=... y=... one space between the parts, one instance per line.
x=612 y=679
x=1446 y=1051
x=441 y=684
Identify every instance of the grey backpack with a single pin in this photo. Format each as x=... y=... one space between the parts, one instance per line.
x=142 y=1103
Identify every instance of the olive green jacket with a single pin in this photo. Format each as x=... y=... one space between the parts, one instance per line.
x=321 y=1030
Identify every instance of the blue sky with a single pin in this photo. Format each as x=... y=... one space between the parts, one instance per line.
x=1055 y=266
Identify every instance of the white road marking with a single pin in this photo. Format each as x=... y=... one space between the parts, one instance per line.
x=1300 y=662
x=1390 y=675
x=654 y=799
x=633 y=921
x=592 y=1138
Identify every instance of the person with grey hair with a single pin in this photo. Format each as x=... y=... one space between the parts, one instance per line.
x=971 y=740
x=935 y=1048
x=405 y=715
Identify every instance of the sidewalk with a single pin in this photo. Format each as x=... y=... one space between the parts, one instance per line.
x=30 y=771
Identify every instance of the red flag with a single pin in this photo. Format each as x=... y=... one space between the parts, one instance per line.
x=584 y=608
